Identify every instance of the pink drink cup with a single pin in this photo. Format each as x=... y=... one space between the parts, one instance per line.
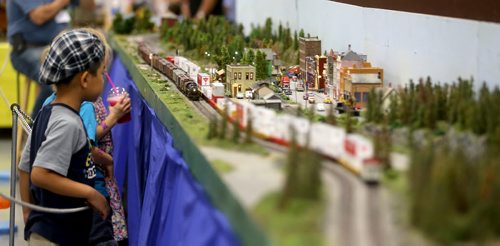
x=115 y=96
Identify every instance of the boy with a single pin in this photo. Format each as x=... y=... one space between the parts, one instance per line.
x=102 y=230
x=55 y=169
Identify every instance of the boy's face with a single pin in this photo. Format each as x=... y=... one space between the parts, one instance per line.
x=95 y=83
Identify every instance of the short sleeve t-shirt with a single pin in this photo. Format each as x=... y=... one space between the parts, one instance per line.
x=87 y=112
x=58 y=142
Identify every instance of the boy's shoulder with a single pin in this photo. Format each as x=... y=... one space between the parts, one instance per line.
x=64 y=113
x=62 y=118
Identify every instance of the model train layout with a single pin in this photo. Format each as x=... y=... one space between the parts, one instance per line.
x=353 y=151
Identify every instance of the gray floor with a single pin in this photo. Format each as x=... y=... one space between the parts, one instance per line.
x=5 y=163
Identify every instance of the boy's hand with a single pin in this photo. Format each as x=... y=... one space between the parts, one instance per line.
x=98 y=203
x=121 y=108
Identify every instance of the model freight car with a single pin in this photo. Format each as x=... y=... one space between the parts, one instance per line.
x=181 y=79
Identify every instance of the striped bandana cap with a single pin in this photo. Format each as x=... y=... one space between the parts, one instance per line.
x=70 y=53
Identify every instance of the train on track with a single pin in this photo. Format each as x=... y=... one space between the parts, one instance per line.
x=181 y=78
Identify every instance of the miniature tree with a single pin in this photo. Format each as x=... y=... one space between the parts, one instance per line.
x=348 y=120
x=313 y=174
x=287 y=39
x=383 y=145
x=374 y=107
x=268 y=29
x=407 y=101
x=430 y=115
x=236 y=47
x=223 y=58
x=292 y=163
x=143 y=22
x=212 y=128
x=483 y=110
x=123 y=26
x=295 y=40
x=311 y=113
x=330 y=117
x=249 y=129
x=370 y=106
x=301 y=33
x=280 y=33
x=269 y=43
x=393 y=111
x=261 y=66
x=244 y=60
x=225 y=119
x=251 y=57
x=300 y=111
x=378 y=107
x=309 y=174
x=236 y=131
x=441 y=101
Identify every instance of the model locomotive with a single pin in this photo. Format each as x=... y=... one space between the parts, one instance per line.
x=181 y=78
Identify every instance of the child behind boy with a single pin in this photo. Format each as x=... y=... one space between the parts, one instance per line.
x=55 y=168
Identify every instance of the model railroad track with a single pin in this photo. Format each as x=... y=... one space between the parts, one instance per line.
x=374 y=213
x=361 y=210
x=345 y=205
x=205 y=109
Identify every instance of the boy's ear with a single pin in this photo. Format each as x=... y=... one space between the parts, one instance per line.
x=84 y=79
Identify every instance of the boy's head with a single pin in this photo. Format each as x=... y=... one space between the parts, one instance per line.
x=76 y=60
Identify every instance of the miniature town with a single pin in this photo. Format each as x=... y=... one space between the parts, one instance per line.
x=287 y=89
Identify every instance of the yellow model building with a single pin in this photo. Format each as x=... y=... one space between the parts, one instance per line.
x=239 y=78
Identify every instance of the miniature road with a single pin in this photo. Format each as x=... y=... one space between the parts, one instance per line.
x=358 y=214
x=298 y=97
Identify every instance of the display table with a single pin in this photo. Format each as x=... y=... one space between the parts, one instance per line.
x=173 y=195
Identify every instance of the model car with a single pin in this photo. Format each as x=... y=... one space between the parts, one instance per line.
x=320 y=107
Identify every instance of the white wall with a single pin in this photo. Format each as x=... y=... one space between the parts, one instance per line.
x=406 y=45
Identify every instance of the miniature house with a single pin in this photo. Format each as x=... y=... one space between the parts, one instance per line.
x=357 y=78
x=363 y=80
x=239 y=78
